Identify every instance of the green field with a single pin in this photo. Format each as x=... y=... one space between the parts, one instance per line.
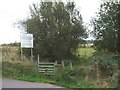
x=88 y=52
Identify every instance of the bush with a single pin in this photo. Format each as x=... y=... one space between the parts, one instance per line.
x=108 y=67
x=68 y=76
x=109 y=60
x=73 y=78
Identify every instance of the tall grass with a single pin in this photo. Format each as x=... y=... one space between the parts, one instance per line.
x=82 y=75
x=24 y=71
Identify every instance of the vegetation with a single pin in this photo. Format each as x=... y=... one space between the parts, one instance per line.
x=107 y=36
x=24 y=71
x=107 y=27
x=57 y=29
x=58 y=34
x=85 y=52
x=27 y=70
x=82 y=75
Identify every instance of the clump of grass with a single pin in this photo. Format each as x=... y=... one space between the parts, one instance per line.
x=71 y=79
x=24 y=71
x=28 y=72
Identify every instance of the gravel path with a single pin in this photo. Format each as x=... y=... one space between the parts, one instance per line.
x=8 y=83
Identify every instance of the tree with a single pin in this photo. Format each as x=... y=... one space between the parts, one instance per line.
x=107 y=27
x=57 y=29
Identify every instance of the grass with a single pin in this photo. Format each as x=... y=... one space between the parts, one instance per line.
x=35 y=79
x=80 y=84
x=71 y=79
x=28 y=72
x=24 y=71
x=76 y=78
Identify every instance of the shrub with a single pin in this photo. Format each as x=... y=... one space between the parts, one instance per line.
x=108 y=67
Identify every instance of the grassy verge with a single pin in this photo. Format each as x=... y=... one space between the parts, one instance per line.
x=71 y=79
x=28 y=72
x=24 y=71
x=83 y=74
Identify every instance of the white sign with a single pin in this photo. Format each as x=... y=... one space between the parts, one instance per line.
x=26 y=40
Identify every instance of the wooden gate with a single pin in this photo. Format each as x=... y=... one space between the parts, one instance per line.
x=48 y=68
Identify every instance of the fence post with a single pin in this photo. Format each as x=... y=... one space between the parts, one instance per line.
x=98 y=72
x=63 y=64
x=55 y=70
x=86 y=77
x=38 y=61
x=71 y=66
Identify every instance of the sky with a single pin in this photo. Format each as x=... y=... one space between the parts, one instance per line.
x=12 y=11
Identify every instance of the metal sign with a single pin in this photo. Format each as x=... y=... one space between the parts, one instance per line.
x=26 y=40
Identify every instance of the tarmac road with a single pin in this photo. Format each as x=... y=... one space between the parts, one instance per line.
x=8 y=83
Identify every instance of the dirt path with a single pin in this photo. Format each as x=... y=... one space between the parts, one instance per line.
x=8 y=83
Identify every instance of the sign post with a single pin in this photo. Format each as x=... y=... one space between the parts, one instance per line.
x=21 y=54
x=31 y=54
x=26 y=42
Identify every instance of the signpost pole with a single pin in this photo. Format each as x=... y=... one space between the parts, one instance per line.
x=21 y=54
x=31 y=54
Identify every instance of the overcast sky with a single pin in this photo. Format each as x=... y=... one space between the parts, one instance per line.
x=13 y=10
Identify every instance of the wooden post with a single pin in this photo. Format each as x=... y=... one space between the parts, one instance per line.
x=97 y=71
x=55 y=70
x=63 y=64
x=38 y=61
x=31 y=54
x=71 y=66
x=86 y=77
x=21 y=54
